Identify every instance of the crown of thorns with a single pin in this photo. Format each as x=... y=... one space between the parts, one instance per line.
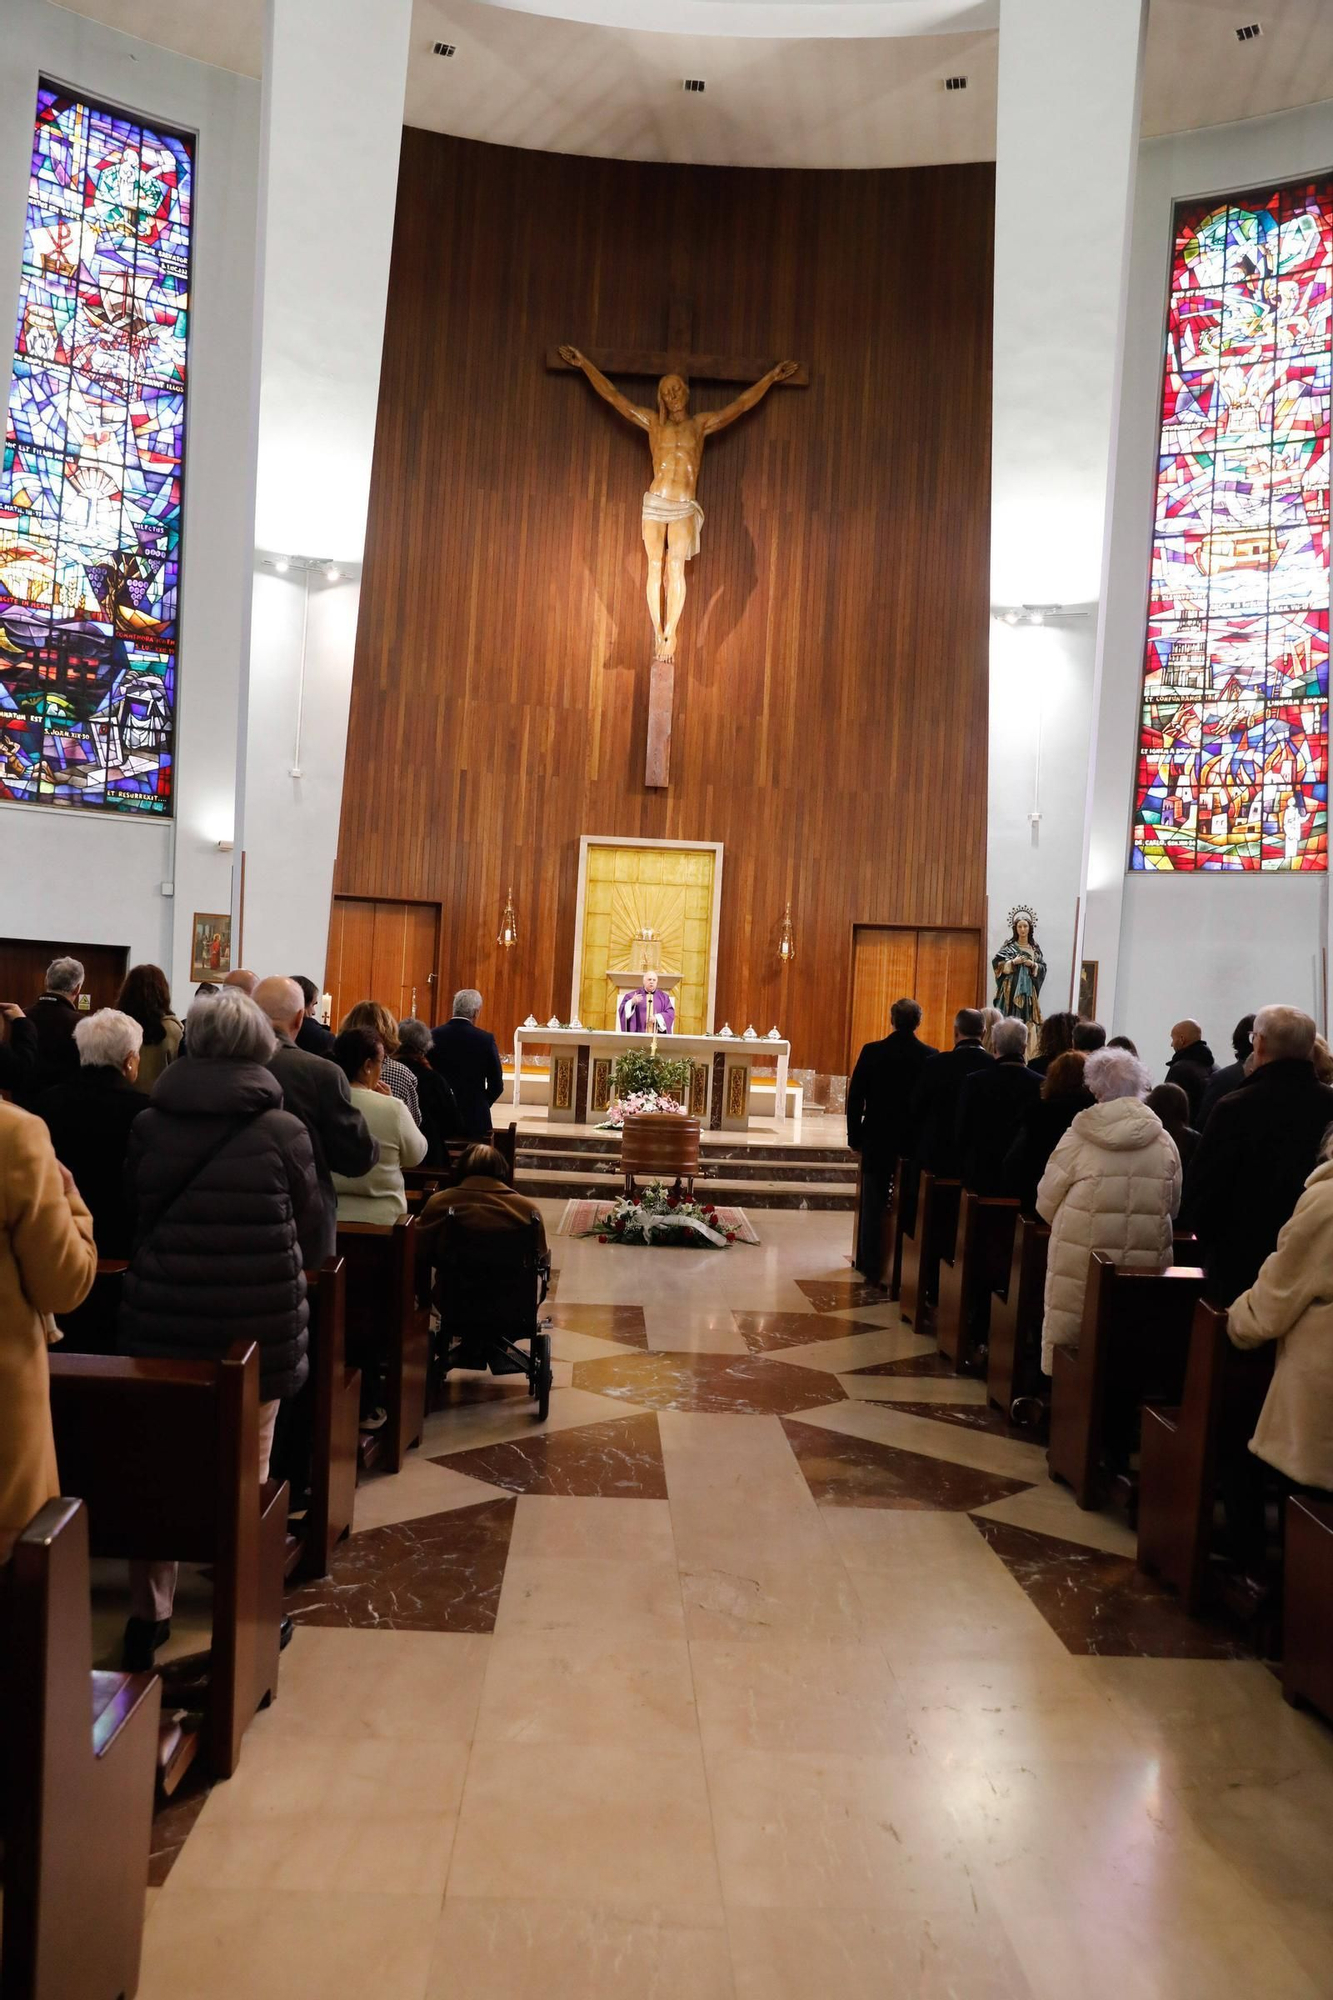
x=1022 y=910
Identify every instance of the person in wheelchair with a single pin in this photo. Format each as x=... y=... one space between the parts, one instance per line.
x=488 y=1289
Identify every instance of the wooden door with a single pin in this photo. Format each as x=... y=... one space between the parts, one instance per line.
x=383 y=951
x=940 y=968
x=948 y=976
x=23 y=963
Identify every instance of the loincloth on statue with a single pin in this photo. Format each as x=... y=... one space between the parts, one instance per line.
x=656 y=507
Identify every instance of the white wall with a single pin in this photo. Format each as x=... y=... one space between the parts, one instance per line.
x=1212 y=945
x=333 y=113
x=1067 y=137
x=96 y=878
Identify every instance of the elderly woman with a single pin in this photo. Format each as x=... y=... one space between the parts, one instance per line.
x=47 y=1263
x=379 y=1194
x=146 y=998
x=1112 y=1184
x=228 y=1217
x=90 y=1118
x=441 y=1119
x=397 y=1078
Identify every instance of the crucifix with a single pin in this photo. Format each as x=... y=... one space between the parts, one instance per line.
x=672 y=516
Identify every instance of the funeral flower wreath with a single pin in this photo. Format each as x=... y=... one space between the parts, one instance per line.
x=659 y=1215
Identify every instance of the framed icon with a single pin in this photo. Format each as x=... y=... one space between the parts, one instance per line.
x=210 y=947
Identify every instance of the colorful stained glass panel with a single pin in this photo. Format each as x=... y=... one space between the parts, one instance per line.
x=1233 y=744
x=90 y=487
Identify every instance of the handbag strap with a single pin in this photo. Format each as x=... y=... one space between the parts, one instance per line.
x=218 y=1147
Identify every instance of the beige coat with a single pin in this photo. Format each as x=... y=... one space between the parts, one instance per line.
x=1112 y=1184
x=1291 y=1302
x=48 y=1261
x=154 y=1056
x=379 y=1194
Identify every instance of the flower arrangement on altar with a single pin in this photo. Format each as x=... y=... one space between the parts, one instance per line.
x=659 y=1215
x=646 y=1082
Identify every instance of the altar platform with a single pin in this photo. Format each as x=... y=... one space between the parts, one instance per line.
x=797 y=1163
x=731 y=1078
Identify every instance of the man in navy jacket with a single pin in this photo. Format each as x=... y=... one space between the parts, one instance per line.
x=469 y=1061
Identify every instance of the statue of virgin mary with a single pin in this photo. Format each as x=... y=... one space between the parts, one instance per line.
x=1020 y=969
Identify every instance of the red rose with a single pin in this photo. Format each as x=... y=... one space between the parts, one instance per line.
x=730 y=1235
x=601 y=1239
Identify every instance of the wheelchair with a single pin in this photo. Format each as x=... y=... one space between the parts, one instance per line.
x=489 y=1287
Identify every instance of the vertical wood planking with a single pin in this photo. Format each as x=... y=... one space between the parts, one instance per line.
x=830 y=698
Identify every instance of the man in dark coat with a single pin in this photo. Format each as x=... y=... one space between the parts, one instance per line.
x=992 y=1105
x=935 y=1103
x=317 y=1092
x=879 y=1098
x=469 y=1061
x=1191 y=1064
x=1223 y=1081
x=18 y=1056
x=55 y=1015
x=312 y=1035
x=1253 y=1159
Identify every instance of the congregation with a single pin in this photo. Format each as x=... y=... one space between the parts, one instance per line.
x=1079 y=1137
x=216 y=1158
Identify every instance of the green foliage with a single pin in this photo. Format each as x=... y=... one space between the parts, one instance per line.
x=638 y=1070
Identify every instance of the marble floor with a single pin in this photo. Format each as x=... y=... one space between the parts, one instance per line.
x=772 y=1667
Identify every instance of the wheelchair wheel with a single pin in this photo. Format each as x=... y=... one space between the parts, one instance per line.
x=541 y=1374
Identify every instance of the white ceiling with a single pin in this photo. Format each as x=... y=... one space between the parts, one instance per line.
x=562 y=76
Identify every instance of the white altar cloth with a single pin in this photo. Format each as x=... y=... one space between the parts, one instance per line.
x=582 y=1060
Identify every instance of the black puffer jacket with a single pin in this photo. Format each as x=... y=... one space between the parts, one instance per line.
x=221 y=1259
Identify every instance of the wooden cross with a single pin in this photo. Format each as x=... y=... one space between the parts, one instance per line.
x=676 y=358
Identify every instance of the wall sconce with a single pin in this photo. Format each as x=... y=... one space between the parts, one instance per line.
x=508 y=936
x=786 y=939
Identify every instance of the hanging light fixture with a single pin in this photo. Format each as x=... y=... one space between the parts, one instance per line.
x=786 y=938
x=508 y=936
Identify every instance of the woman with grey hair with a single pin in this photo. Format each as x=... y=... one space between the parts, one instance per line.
x=228 y=1216
x=1112 y=1184
x=90 y=1118
x=440 y=1119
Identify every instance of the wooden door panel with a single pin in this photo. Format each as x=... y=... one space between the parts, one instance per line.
x=381 y=951
x=23 y=963
x=947 y=975
x=884 y=969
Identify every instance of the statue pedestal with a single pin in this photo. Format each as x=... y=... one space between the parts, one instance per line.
x=661 y=692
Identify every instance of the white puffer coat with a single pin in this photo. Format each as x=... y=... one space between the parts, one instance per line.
x=1112 y=1184
x=1291 y=1302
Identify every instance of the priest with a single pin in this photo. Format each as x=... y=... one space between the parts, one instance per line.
x=645 y=1011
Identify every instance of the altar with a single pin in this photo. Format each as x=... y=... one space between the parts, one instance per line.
x=721 y=1072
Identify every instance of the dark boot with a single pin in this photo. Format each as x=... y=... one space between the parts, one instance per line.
x=142 y=1639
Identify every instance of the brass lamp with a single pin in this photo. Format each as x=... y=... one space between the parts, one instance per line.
x=508 y=936
x=786 y=938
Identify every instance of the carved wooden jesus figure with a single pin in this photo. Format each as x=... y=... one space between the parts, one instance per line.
x=672 y=516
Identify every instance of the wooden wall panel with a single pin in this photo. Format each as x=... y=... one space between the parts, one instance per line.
x=383 y=951
x=830 y=723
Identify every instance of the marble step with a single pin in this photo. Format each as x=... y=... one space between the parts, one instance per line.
x=593 y=1186
x=714 y=1166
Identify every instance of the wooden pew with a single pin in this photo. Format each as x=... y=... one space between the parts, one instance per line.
x=1013 y=1359
x=388 y=1323
x=978 y=1268
x=1184 y=1447
x=932 y=1239
x=77 y=1779
x=1307 y=1615
x=1132 y=1348
x=422 y=1182
x=165 y=1455
x=326 y=1425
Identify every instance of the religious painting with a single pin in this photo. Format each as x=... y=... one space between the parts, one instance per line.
x=1087 y=990
x=210 y=947
x=1233 y=743
x=90 y=488
x=647 y=905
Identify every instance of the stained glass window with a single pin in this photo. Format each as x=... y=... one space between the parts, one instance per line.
x=90 y=496
x=1233 y=749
